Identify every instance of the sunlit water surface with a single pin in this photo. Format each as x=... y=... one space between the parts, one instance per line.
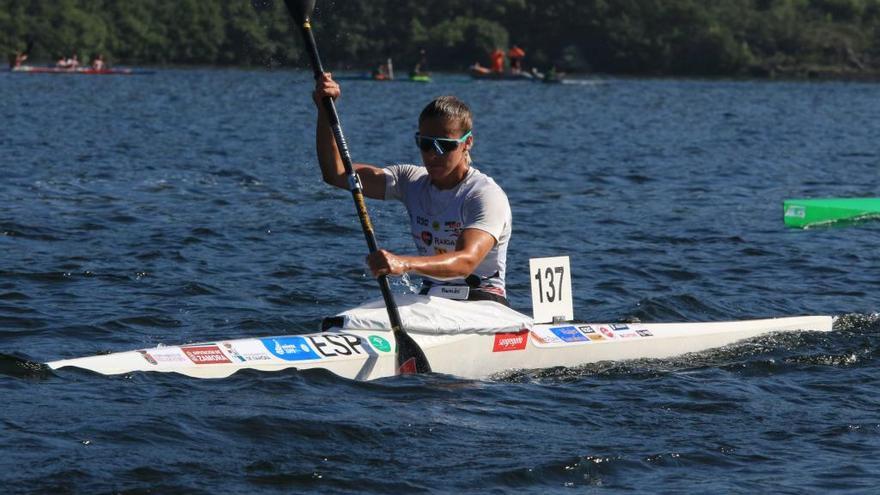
x=187 y=206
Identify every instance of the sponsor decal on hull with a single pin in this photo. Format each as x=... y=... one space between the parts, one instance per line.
x=543 y=335
x=569 y=334
x=148 y=358
x=379 y=343
x=606 y=332
x=164 y=355
x=246 y=350
x=205 y=354
x=512 y=341
x=623 y=331
x=591 y=333
x=337 y=345
x=290 y=348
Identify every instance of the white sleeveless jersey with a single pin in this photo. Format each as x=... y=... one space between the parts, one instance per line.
x=437 y=218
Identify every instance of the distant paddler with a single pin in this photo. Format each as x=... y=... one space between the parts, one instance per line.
x=384 y=72
x=18 y=58
x=69 y=63
x=516 y=55
x=420 y=70
x=497 y=61
x=98 y=63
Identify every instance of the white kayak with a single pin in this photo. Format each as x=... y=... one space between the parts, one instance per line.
x=467 y=339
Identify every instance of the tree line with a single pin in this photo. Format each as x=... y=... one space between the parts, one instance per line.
x=637 y=37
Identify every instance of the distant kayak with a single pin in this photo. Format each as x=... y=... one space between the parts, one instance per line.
x=30 y=69
x=503 y=76
x=484 y=74
x=422 y=78
x=803 y=213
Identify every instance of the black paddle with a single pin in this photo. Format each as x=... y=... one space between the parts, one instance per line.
x=410 y=357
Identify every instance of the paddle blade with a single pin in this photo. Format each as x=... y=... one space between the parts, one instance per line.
x=410 y=357
x=301 y=10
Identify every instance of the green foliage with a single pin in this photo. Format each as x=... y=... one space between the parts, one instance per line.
x=685 y=37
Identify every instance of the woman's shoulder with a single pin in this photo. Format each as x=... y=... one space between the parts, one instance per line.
x=407 y=170
x=484 y=190
x=482 y=181
x=407 y=175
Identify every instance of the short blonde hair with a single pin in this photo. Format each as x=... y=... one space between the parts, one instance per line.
x=449 y=108
x=452 y=109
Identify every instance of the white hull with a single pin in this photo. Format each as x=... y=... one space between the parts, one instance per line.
x=368 y=354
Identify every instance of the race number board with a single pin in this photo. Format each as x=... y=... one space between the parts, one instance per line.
x=551 y=289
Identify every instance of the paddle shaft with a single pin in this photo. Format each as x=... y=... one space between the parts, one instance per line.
x=407 y=348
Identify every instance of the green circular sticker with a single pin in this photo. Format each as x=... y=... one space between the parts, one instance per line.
x=380 y=344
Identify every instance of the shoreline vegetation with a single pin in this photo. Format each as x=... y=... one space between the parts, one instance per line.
x=773 y=39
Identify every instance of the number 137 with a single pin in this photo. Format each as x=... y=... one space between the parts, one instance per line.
x=553 y=278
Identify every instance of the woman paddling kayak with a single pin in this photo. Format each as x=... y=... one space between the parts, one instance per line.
x=459 y=217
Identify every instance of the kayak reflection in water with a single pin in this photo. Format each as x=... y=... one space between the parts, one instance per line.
x=460 y=218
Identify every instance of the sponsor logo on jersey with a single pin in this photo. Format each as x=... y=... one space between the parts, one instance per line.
x=205 y=354
x=452 y=227
x=569 y=334
x=427 y=237
x=439 y=241
x=512 y=341
x=644 y=332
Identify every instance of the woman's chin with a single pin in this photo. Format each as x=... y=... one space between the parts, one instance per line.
x=436 y=172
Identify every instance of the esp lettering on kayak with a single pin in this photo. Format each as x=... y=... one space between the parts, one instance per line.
x=337 y=345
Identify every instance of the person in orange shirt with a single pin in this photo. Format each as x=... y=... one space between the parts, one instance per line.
x=516 y=54
x=498 y=61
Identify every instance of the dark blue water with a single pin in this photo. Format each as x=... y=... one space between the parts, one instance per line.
x=187 y=206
